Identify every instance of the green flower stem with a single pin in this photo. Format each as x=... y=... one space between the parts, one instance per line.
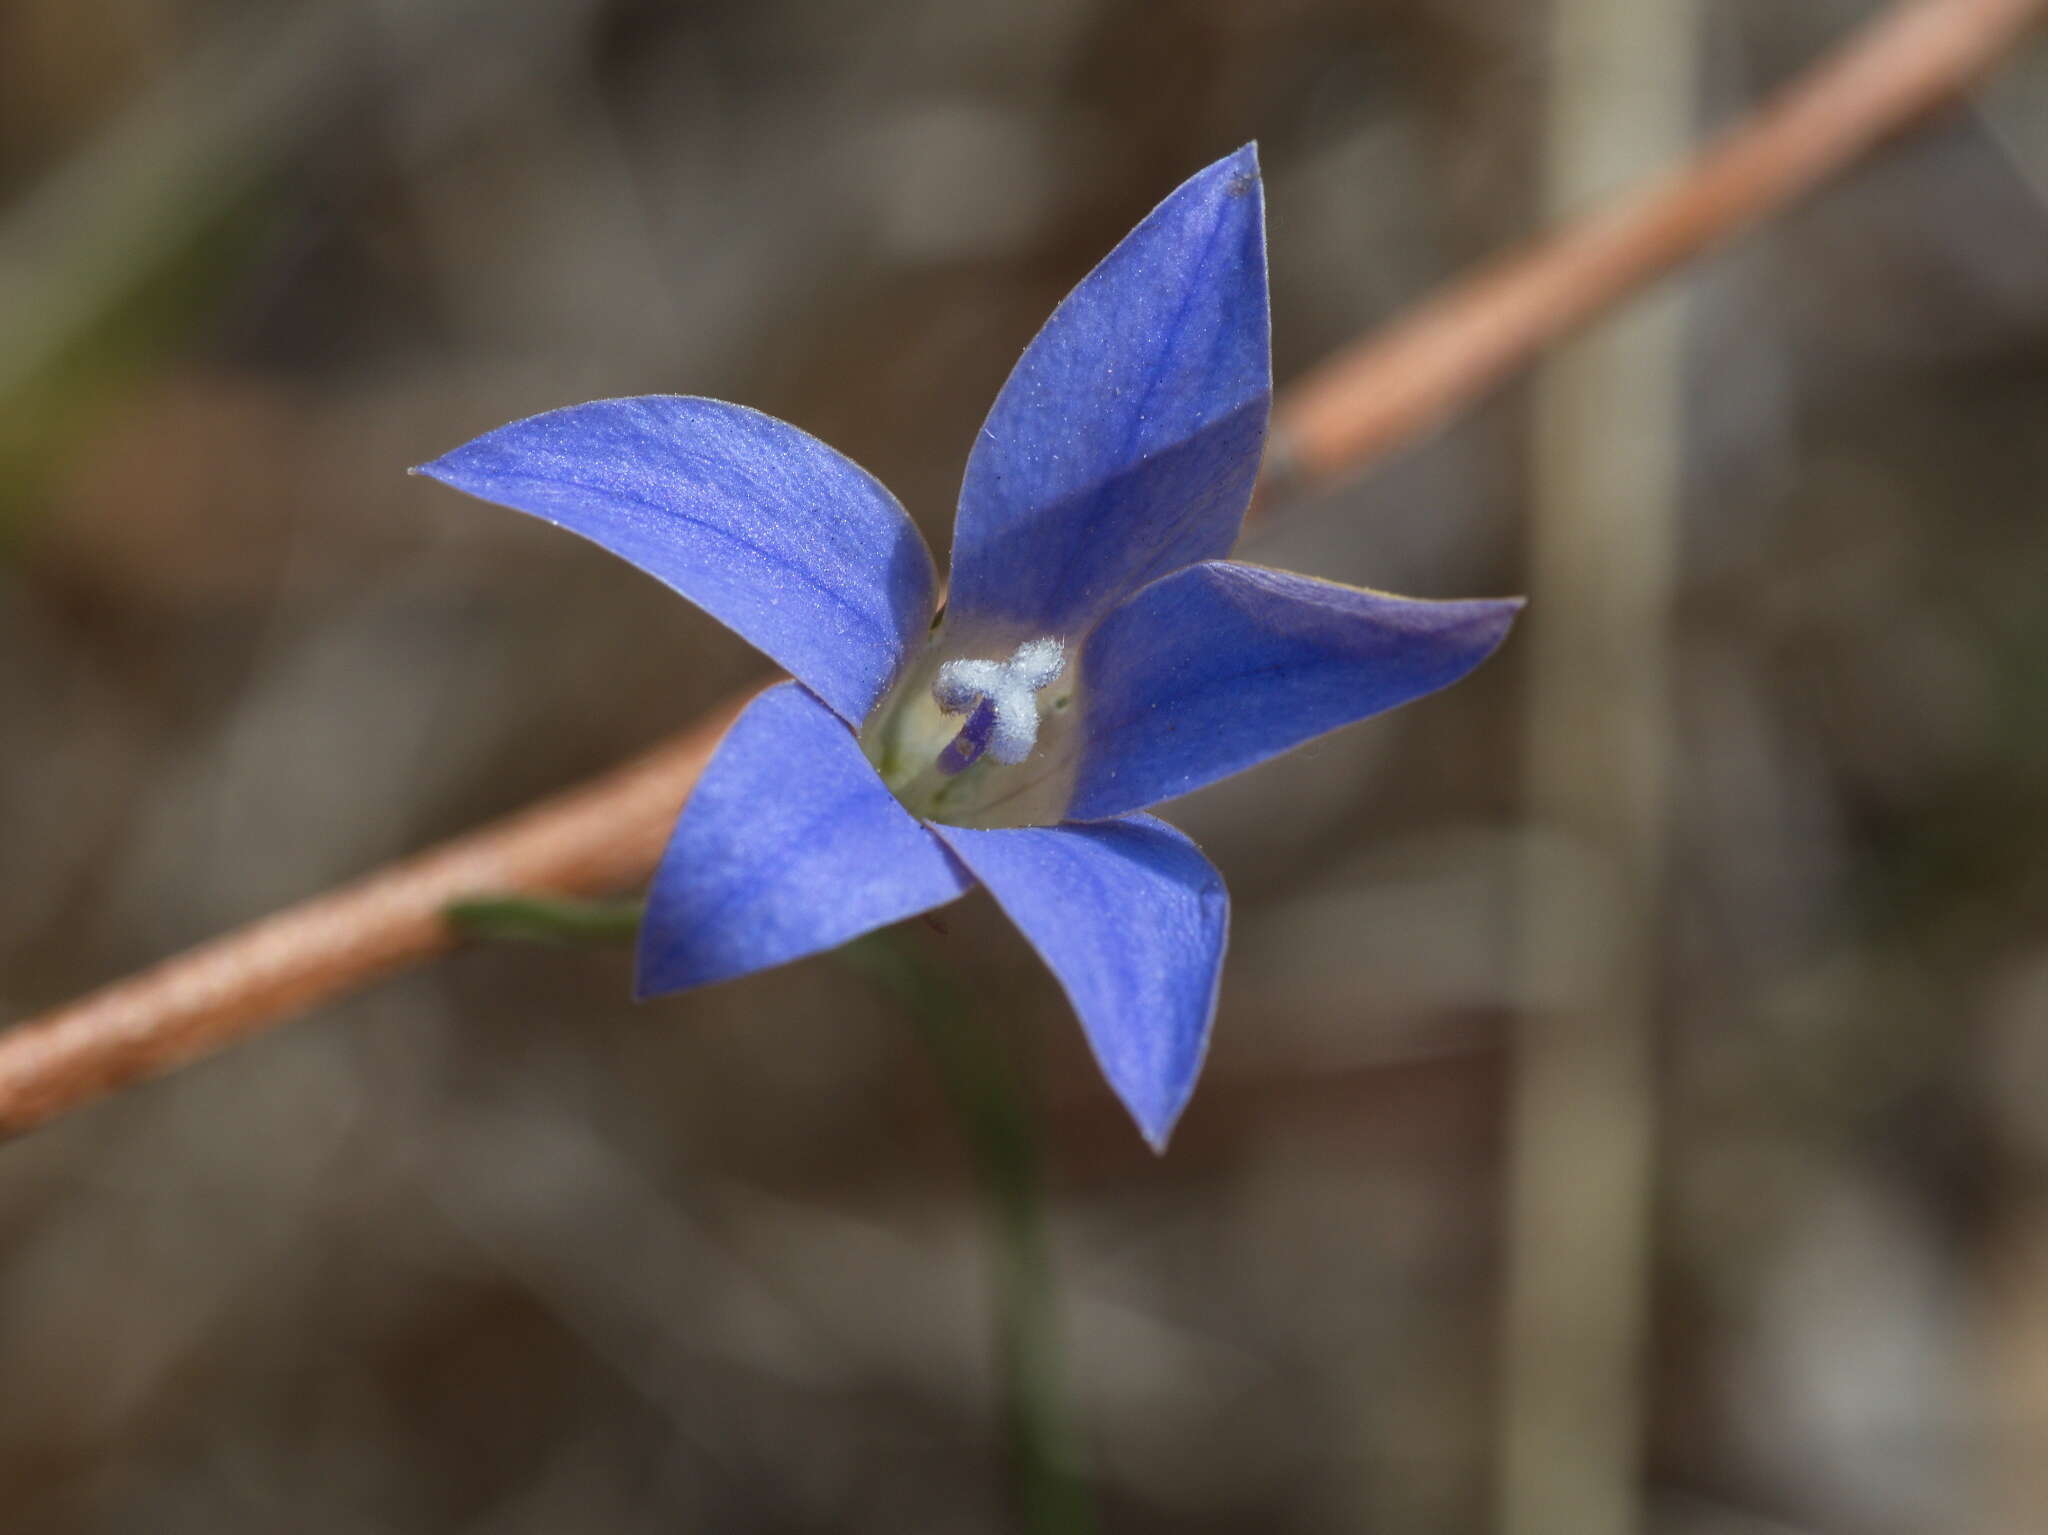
x=983 y=1084
x=545 y=919
x=982 y=1081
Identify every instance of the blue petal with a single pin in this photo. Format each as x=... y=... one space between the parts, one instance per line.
x=789 y=845
x=779 y=537
x=1224 y=665
x=1132 y=919
x=1125 y=443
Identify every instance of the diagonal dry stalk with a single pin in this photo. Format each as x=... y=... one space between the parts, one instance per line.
x=1403 y=381
x=1363 y=402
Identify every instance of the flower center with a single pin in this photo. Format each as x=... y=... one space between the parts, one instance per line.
x=951 y=731
x=1000 y=700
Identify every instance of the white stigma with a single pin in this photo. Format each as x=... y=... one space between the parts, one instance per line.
x=1010 y=686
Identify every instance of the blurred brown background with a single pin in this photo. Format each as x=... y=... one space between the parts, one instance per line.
x=490 y=1249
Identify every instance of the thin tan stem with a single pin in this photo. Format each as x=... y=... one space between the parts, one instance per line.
x=1332 y=423
x=595 y=838
x=1402 y=383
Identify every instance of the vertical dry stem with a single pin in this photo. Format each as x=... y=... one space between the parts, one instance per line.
x=1607 y=451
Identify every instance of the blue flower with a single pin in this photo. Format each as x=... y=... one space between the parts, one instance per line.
x=1098 y=652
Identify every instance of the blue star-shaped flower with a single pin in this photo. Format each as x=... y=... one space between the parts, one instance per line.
x=1097 y=654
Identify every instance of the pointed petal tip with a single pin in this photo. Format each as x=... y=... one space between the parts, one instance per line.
x=1133 y=922
x=1481 y=622
x=1154 y=1121
x=780 y=537
x=654 y=985
x=667 y=975
x=447 y=467
x=658 y=975
x=1157 y=1129
x=648 y=982
x=1305 y=657
x=1126 y=441
x=1236 y=173
x=1500 y=616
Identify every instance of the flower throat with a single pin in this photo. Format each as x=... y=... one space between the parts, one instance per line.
x=942 y=749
